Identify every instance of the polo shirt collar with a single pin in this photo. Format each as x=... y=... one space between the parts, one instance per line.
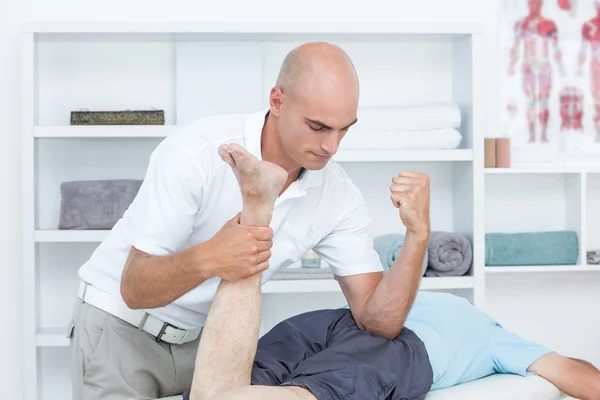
x=252 y=137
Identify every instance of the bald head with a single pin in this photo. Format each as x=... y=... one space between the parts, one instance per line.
x=312 y=106
x=316 y=66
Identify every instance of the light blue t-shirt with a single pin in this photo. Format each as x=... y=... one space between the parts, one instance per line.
x=465 y=344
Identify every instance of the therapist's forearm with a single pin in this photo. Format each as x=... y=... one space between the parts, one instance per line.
x=155 y=281
x=388 y=306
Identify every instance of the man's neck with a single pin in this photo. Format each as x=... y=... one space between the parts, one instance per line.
x=271 y=151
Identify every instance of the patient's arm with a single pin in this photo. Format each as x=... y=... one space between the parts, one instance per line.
x=576 y=378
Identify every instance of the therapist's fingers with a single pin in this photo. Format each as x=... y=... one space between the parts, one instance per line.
x=400 y=187
x=264 y=256
x=264 y=244
x=263 y=266
x=262 y=233
x=403 y=179
x=409 y=174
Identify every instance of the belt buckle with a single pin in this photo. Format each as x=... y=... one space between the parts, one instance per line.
x=162 y=332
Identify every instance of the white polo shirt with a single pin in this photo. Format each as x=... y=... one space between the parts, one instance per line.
x=189 y=193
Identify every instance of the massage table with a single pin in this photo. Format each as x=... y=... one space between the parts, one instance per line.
x=500 y=387
x=494 y=387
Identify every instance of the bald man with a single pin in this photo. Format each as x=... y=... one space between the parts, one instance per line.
x=185 y=263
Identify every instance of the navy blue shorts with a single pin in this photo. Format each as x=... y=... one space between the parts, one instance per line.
x=325 y=352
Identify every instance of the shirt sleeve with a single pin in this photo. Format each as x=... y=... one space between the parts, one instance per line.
x=348 y=249
x=170 y=199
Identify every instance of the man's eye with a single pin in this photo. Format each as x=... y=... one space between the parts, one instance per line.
x=316 y=129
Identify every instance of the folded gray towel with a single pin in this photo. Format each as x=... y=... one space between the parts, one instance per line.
x=95 y=204
x=450 y=254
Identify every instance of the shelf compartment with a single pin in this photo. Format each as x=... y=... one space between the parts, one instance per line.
x=56 y=337
x=532 y=202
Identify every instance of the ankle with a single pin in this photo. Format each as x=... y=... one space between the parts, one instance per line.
x=256 y=214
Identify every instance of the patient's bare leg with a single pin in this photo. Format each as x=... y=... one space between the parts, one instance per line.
x=576 y=378
x=230 y=336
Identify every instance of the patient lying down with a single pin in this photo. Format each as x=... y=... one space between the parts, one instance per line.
x=324 y=355
x=446 y=341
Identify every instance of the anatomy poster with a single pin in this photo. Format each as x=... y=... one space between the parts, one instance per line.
x=550 y=79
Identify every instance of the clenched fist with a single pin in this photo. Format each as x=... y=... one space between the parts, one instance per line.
x=410 y=194
x=239 y=251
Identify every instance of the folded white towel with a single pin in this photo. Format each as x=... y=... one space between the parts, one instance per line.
x=407 y=118
x=438 y=139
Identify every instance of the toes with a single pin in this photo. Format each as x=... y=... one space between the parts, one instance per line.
x=225 y=154
x=238 y=153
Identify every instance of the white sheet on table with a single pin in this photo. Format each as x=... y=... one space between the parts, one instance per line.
x=437 y=139
x=408 y=118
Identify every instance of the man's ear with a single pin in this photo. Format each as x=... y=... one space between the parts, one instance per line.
x=276 y=101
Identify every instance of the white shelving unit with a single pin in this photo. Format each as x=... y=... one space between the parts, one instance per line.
x=538 y=190
x=72 y=65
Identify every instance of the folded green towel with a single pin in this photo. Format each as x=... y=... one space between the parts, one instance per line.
x=388 y=246
x=532 y=248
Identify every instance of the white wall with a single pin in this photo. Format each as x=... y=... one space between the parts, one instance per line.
x=10 y=204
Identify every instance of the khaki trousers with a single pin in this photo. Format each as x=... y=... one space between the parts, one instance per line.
x=112 y=359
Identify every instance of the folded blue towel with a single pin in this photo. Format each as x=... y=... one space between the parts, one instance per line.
x=532 y=248
x=388 y=246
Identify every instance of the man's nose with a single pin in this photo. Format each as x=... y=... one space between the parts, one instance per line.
x=331 y=143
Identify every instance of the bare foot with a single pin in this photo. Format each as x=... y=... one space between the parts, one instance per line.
x=260 y=181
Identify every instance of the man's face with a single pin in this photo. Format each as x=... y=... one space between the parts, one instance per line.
x=535 y=6
x=312 y=124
